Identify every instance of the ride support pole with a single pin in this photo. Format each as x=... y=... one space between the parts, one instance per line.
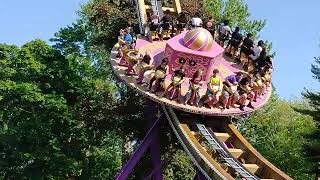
x=151 y=111
x=152 y=136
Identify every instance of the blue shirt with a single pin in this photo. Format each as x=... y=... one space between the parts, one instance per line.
x=232 y=79
x=128 y=38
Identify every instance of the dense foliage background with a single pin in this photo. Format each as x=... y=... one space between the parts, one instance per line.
x=64 y=116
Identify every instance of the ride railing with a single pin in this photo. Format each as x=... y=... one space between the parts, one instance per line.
x=224 y=154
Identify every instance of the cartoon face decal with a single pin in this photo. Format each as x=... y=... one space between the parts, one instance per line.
x=182 y=61
x=192 y=62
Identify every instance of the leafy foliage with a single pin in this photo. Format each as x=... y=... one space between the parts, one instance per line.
x=55 y=116
x=180 y=167
x=313 y=149
x=279 y=134
x=104 y=19
x=236 y=11
x=63 y=115
x=193 y=6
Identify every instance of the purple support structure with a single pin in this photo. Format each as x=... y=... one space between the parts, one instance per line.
x=199 y=176
x=151 y=140
x=151 y=112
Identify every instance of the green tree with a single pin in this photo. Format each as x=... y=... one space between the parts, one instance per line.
x=180 y=167
x=313 y=98
x=55 y=116
x=193 y=6
x=237 y=12
x=279 y=133
x=104 y=19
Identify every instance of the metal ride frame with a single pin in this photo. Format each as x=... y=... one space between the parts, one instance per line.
x=152 y=138
x=156 y=7
x=152 y=141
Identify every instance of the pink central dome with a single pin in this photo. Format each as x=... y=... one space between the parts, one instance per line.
x=198 y=39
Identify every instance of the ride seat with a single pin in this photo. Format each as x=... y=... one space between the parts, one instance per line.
x=223 y=137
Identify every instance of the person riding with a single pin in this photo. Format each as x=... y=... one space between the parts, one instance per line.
x=210 y=26
x=261 y=62
x=176 y=81
x=265 y=76
x=159 y=75
x=154 y=22
x=125 y=41
x=245 y=92
x=246 y=49
x=258 y=86
x=194 y=88
x=181 y=22
x=142 y=67
x=132 y=57
x=236 y=39
x=127 y=38
x=230 y=93
x=214 y=89
x=166 y=23
x=257 y=50
x=130 y=28
x=196 y=21
x=224 y=32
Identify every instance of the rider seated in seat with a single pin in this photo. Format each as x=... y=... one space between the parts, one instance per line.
x=132 y=57
x=230 y=93
x=125 y=41
x=125 y=37
x=176 y=81
x=257 y=49
x=236 y=39
x=192 y=96
x=154 y=26
x=246 y=92
x=159 y=76
x=224 y=32
x=266 y=76
x=253 y=58
x=210 y=26
x=258 y=86
x=166 y=24
x=155 y=21
x=246 y=49
x=214 y=89
x=181 y=22
x=261 y=62
x=196 y=21
x=142 y=67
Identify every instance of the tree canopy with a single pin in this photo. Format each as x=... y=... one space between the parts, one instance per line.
x=313 y=98
x=280 y=133
x=63 y=115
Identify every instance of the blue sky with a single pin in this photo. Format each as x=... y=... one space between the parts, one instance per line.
x=294 y=29
x=292 y=26
x=25 y=20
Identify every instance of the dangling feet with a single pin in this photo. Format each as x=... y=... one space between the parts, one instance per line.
x=241 y=107
x=250 y=105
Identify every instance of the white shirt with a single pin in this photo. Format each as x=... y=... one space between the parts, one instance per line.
x=196 y=21
x=257 y=50
x=226 y=30
x=155 y=19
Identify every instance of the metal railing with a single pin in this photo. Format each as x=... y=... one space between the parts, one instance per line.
x=226 y=156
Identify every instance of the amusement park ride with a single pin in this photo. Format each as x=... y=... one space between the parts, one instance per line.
x=213 y=143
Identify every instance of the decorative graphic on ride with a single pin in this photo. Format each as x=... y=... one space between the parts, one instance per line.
x=198 y=48
x=177 y=84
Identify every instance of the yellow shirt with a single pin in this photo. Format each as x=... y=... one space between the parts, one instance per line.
x=215 y=83
x=215 y=80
